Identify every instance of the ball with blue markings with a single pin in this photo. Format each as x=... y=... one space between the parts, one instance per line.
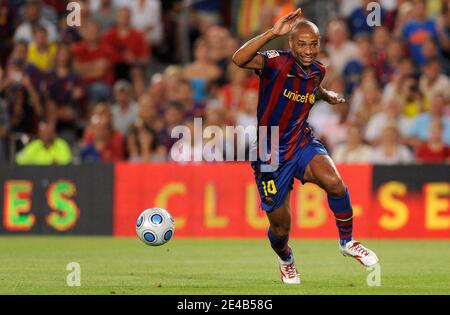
x=155 y=226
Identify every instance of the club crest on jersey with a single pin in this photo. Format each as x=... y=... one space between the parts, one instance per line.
x=299 y=98
x=272 y=54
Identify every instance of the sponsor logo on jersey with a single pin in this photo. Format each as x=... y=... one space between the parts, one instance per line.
x=299 y=98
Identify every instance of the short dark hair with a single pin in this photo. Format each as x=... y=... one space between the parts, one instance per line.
x=304 y=23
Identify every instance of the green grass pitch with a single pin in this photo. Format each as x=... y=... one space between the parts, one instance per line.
x=37 y=265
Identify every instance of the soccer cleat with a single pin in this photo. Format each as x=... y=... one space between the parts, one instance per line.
x=362 y=254
x=288 y=271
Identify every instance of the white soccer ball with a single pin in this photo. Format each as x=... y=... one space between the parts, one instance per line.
x=155 y=226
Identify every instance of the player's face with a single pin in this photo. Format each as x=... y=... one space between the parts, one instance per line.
x=305 y=46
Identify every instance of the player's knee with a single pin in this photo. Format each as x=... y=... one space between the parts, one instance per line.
x=281 y=230
x=335 y=186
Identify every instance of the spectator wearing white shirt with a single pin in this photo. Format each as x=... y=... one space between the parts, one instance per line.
x=391 y=113
x=105 y=15
x=125 y=111
x=33 y=18
x=390 y=151
x=354 y=150
x=340 y=49
x=146 y=17
x=433 y=81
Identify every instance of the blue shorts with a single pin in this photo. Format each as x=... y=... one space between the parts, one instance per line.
x=274 y=186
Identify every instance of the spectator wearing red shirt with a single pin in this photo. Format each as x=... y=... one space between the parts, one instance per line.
x=101 y=141
x=131 y=49
x=231 y=94
x=434 y=150
x=93 y=63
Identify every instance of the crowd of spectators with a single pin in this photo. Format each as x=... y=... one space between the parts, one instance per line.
x=113 y=88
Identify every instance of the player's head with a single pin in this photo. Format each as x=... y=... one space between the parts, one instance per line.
x=304 y=42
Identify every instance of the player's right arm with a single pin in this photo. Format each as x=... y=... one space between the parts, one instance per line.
x=247 y=56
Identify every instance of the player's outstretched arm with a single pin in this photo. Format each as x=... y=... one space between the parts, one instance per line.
x=247 y=56
x=330 y=96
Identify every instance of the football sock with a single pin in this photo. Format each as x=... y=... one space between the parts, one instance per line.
x=343 y=214
x=280 y=245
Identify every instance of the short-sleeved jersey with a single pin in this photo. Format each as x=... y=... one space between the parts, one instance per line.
x=287 y=93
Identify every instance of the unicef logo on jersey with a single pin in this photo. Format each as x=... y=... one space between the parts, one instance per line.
x=299 y=98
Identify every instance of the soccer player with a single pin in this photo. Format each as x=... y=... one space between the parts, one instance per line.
x=290 y=81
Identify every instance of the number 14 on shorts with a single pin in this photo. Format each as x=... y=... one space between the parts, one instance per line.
x=269 y=187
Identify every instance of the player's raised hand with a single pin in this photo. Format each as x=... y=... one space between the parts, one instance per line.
x=334 y=99
x=285 y=24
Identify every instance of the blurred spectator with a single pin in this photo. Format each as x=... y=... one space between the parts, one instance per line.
x=208 y=11
x=354 y=150
x=370 y=105
x=388 y=64
x=22 y=100
x=64 y=99
x=41 y=53
x=47 y=11
x=101 y=141
x=148 y=116
x=93 y=63
x=390 y=151
x=231 y=94
x=418 y=29
x=48 y=149
x=246 y=114
x=7 y=27
x=431 y=51
x=412 y=97
x=173 y=76
x=157 y=88
x=246 y=117
x=356 y=67
x=174 y=116
x=131 y=49
x=390 y=114
x=146 y=17
x=443 y=28
x=434 y=150
x=218 y=40
x=19 y=52
x=34 y=17
x=185 y=97
x=340 y=49
x=421 y=125
x=433 y=81
x=403 y=69
x=202 y=71
x=125 y=110
x=186 y=148
x=104 y=15
x=4 y=128
x=336 y=128
x=143 y=145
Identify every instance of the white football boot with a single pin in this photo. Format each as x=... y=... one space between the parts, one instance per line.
x=288 y=271
x=362 y=254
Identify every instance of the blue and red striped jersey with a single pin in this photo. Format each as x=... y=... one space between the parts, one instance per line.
x=287 y=93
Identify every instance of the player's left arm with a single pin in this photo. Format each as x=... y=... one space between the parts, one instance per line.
x=329 y=96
